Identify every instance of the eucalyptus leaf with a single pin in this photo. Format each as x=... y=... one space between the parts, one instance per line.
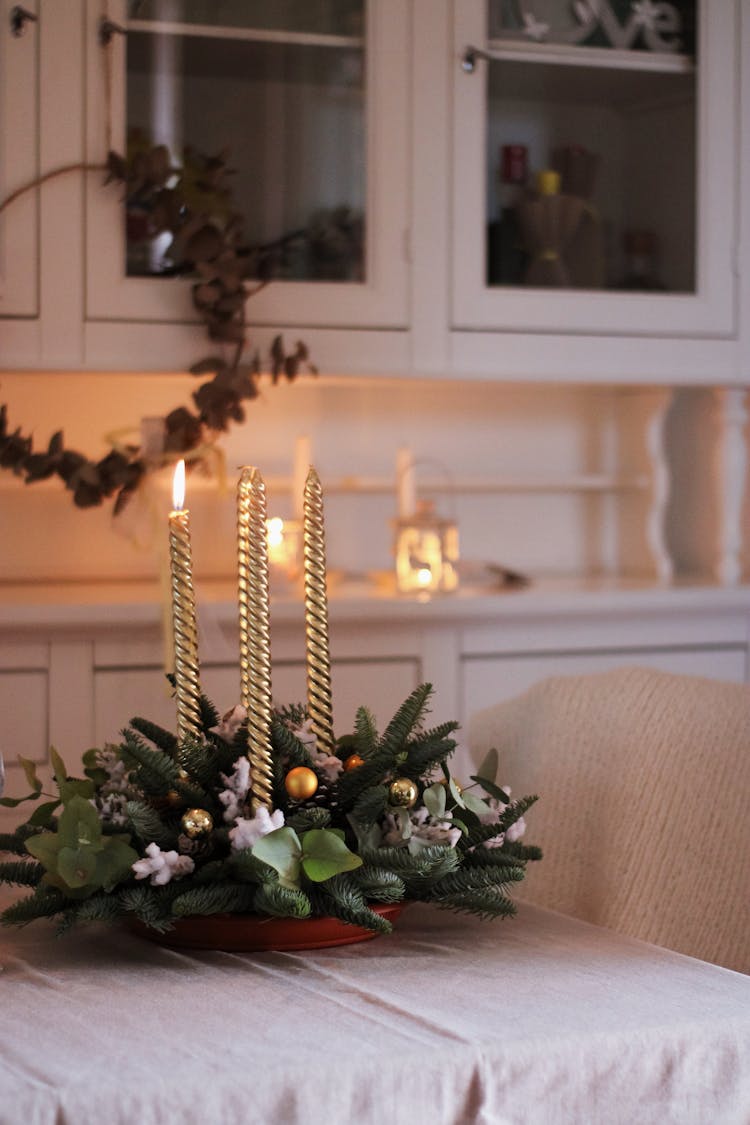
x=475 y=804
x=42 y=814
x=324 y=854
x=488 y=768
x=492 y=789
x=76 y=866
x=281 y=850
x=79 y=824
x=114 y=862
x=434 y=799
x=29 y=769
x=58 y=766
x=455 y=793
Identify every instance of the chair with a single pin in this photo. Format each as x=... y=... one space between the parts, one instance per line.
x=644 y=809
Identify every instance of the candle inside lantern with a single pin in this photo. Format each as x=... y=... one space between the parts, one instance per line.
x=255 y=635
x=284 y=541
x=316 y=616
x=184 y=625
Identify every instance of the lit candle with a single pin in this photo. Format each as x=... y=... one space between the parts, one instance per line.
x=316 y=616
x=255 y=634
x=184 y=628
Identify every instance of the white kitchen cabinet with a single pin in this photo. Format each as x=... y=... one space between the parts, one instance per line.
x=626 y=265
x=312 y=104
x=19 y=161
x=419 y=163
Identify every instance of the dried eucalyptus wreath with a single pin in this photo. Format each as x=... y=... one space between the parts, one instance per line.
x=192 y=204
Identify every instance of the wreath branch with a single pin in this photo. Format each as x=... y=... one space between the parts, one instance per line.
x=206 y=233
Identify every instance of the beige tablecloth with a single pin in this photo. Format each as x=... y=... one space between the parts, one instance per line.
x=543 y=1019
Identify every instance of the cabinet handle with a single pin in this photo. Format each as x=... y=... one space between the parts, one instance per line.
x=470 y=57
x=19 y=17
x=108 y=28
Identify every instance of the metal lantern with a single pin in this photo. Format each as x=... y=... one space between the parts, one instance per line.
x=426 y=552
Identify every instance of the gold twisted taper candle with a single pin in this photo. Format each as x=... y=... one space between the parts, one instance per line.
x=255 y=635
x=184 y=628
x=316 y=616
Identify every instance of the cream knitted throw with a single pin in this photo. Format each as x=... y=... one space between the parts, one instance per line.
x=644 y=810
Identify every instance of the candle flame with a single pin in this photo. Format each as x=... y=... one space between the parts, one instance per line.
x=178 y=487
x=424 y=576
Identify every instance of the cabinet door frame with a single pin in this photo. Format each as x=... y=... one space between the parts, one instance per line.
x=19 y=165
x=380 y=302
x=710 y=312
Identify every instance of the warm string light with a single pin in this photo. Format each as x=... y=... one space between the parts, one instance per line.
x=255 y=636
x=184 y=626
x=316 y=616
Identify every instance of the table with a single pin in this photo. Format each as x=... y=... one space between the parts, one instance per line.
x=543 y=1020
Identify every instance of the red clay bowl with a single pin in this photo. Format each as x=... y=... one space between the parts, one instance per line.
x=254 y=933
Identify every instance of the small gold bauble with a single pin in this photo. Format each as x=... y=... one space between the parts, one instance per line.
x=403 y=792
x=353 y=761
x=300 y=783
x=196 y=823
x=173 y=799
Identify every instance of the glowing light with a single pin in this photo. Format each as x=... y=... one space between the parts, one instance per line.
x=424 y=576
x=178 y=487
x=275 y=531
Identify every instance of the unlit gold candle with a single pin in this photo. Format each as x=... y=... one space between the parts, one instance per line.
x=316 y=616
x=255 y=634
x=184 y=629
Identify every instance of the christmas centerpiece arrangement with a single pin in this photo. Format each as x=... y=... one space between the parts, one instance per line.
x=261 y=829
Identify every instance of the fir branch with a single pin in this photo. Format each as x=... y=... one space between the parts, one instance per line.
x=282 y=902
x=521 y=851
x=473 y=879
x=195 y=796
x=377 y=884
x=209 y=715
x=199 y=761
x=488 y=902
x=302 y=820
x=21 y=873
x=366 y=732
x=148 y=905
x=370 y=805
x=479 y=833
x=293 y=715
x=149 y=827
x=286 y=745
x=492 y=857
x=101 y=907
x=247 y=868
x=15 y=842
x=215 y=898
x=45 y=902
x=341 y=897
x=406 y=720
x=427 y=752
x=155 y=772
x=161 y=738
x=419 y=871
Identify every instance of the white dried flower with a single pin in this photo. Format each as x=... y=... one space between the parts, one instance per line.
x=247 y=832
x=162 y=866
x=238 y=786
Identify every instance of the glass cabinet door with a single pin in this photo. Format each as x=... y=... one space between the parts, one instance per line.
x=599 y=159
x=19 y=160
x=276 y=118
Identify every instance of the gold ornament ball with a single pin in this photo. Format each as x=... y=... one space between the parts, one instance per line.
x=300 y=783
x=196 y=823
x=403 y=792
x=353 y=761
